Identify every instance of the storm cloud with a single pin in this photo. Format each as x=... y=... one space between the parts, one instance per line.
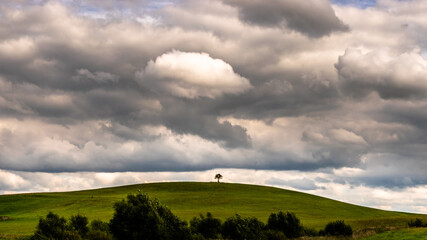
x=313 y=18
x=332 y=93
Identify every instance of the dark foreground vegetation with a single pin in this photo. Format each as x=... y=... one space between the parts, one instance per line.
x=417 y=223
x=139 y=217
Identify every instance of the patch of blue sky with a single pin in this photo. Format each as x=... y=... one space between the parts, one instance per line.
x=92 y=9
x=356 y=3
x=154 y=5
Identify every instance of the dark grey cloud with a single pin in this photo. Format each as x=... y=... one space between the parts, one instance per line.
x=380 y=171
x=313 y=18
x=83 y=88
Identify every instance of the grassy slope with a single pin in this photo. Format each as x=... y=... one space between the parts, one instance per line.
x=188 y=199
x=402 y=234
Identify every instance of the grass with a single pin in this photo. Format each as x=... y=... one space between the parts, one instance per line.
x=188 y=199
x=401 y=234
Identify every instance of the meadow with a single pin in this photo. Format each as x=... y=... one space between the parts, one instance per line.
x=20 y=212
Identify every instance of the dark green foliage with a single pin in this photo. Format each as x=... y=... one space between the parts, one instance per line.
x=417 y=223
x=140 y=218
x=53 y=227
x=99 y=225
x=171 y=227
x=238 y=228
x=311 y=232
x=79 y=223
x=99 y=230
x=287 y=223
x=338 y=228
x=274 y=235
x=208 y=227
x=197 y=236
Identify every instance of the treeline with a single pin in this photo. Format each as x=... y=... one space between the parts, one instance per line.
x=139 y=217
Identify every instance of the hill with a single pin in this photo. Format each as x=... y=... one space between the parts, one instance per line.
x=187 y=199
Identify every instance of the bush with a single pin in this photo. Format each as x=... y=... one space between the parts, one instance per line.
x=338 y=228
x=417 y=223
x=99 y=230
x=140 y=218
x=311 y=232
x=79 y=223
x=238 y=228
x=52 y=227
x=287 y=223
x=274 y=235
x=208 y=227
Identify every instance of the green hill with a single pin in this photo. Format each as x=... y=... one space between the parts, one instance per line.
x=187 y=199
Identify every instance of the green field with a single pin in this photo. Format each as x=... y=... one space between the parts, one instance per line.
x=188 y=199
x=402 y=234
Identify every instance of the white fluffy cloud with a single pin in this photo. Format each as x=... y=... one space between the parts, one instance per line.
x=192 y=75
x=390 y=75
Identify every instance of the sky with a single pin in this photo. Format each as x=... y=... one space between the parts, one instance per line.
x=324 y=97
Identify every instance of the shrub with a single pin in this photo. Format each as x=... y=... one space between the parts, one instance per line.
x=52 y=227
x=208 y=227
x=99 y=226
x=287 y=223
x=140 y=218
x=171 y=226
x=238 y=228
x=197 y=236
x=79 y=223
x=311 y=232
x=417 y=223
x=274 y=235
x=338 y=228
x=99 y=230
x=55 y=227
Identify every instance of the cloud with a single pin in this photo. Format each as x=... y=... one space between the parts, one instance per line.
x=348 y=137
x=12 y=182
x=314 y=18
x=390 y=75
x=99 y=77
x=302 y=184
x=191 y=75
x=95 y=86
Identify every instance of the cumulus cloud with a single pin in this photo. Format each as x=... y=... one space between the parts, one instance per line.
x=192 y=75
x=390 y=75
x=95 y=86
x=314 y=18
x=12 y=182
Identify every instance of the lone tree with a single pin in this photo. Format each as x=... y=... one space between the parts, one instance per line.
x=218 y=176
